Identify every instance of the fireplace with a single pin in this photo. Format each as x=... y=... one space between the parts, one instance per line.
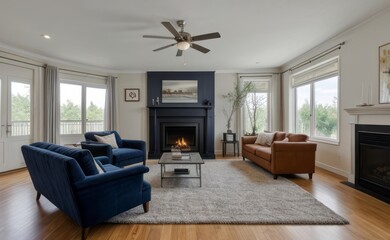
x=192 y=120
x=372 y=145
x=172 y=133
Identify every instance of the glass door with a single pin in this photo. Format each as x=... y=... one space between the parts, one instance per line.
x=16 y=114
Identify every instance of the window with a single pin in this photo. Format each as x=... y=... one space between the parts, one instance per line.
x=20 y=109
x=316 y=101
x=256 y=108
x=82 y=107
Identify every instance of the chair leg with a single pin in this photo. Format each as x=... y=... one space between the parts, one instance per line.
x=146 y=206
x=38 y=195
x=310 y=175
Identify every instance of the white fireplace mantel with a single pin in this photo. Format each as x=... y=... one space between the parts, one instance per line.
x=369 y=110
x=374 y=115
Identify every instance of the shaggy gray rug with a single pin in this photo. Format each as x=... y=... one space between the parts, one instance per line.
x=232 y=192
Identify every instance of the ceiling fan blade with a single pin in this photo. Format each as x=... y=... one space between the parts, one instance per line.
x=206 y=36
x=167 y=46
x=200 y=48
x=170 y=28
x=179 y=53
x=153 y=36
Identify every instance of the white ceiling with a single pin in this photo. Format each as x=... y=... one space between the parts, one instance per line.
x=107 y=35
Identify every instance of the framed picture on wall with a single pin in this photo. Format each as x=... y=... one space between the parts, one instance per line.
x=179 y=91
x=384 y=73
x=132 y=94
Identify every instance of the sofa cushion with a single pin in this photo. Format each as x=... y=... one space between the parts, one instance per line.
x=279 y=136
x=250 y=147
x=123 y=154
x=263 y=152
x=265 y=139
x=297 y=137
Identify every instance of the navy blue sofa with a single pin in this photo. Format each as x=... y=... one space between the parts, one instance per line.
x=128 y=151
x=69 y=178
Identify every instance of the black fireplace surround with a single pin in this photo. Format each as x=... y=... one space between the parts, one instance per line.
x=372 y=160
x=170 y=121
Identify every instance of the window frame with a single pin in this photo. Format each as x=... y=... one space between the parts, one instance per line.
x=84 y=86
x=311 y=84
x=260 y=78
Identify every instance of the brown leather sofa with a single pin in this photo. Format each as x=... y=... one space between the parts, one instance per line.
x=289 y=153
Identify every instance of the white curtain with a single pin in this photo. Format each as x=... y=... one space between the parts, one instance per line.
x=111 y=104
x=52 y=106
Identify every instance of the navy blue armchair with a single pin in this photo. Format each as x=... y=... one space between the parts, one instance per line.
x=128 y=151
x=69 y=178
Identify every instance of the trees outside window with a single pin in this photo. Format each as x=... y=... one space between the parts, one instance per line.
x=256 y=108
x=73 y=121
x=316 y=102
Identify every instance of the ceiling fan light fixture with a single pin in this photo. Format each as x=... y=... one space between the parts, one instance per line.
x=183 y=45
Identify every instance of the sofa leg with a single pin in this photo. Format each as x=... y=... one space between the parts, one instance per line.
x=144 y=162
x=275 y=176
x=38 y=195
x=146 y=206
x=84 y=232
x=310 y=175
x=243 y=158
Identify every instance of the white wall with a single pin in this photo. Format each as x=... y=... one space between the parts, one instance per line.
x=224 y=83
x=358 y=64
x=133 y=116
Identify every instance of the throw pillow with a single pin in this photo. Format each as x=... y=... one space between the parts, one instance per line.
x=107 y=139
x=265 y=139
x=285 y=140
x=98 y=166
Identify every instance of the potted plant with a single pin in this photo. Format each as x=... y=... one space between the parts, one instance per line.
x=236 y=98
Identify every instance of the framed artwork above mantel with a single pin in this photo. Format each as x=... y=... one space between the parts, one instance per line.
x=179 y=91
x=384 y=73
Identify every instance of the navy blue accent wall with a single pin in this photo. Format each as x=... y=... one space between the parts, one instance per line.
x=206 y=86
x=200 y=113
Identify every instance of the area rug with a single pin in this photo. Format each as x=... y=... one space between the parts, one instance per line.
x=232 y=192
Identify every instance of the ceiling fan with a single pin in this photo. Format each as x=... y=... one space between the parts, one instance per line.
x=184 y=40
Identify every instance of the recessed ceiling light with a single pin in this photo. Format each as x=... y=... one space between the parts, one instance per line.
x=46 y=36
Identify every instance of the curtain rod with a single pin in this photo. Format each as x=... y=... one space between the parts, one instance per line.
x=84 y=73
x=254 y=75
x=315 y=57
x=20 y=61
x=42 y=65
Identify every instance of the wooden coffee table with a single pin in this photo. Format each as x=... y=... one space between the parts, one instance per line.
x=193 y=159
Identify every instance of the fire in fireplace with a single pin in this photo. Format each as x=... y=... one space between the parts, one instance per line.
x=182 y=135
x=372 y=159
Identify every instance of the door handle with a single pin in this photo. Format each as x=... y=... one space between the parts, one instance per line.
x=8 y=131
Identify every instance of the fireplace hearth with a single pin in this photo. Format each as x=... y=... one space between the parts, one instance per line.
x=372 y=163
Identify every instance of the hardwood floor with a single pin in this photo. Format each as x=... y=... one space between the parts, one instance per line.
x=24 y=218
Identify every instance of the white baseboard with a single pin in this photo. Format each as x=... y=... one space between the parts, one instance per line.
x=332 y=169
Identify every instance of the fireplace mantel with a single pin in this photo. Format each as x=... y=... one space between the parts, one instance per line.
x=369 y=110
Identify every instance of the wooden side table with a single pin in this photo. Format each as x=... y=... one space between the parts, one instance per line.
x=230 y=138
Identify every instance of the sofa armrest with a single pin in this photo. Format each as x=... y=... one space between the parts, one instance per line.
x=98 y=149
x=136 y=144
x=102 y=196
x=248 y=139
x=110 y=177
x=293 y=157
